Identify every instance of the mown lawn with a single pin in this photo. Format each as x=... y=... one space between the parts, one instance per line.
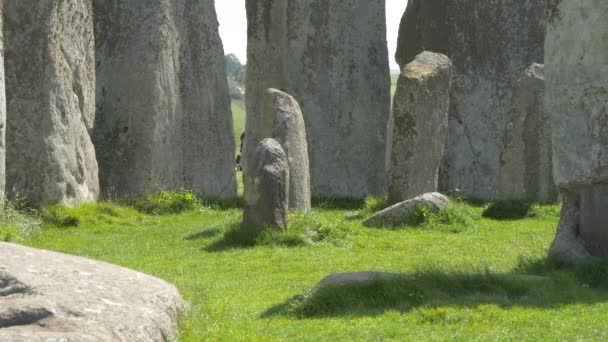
x=258 y=290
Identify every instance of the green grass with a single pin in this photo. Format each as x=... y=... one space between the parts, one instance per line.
x=394 y=79
x=457 y=284
x=238 y=117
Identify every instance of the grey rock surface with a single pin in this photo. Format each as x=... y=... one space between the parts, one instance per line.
x=267 y=188
x=2 y=112
x=50 y=98
x=401 y=213
x=419 y=126
x=577 y=101
x=163 y=106
x=490 y=43
x=332 y=57
x=47 y=296
x=282 y=120
x=526 y=167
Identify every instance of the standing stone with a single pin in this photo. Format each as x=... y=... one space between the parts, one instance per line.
x=281 y=119
x=50 y=93
x=267 y=195
x=526 y=161
x=332 y=57
x=577 y=101
x=163 y=106
x=2 y=112
x=490 y=44
x=419 y=126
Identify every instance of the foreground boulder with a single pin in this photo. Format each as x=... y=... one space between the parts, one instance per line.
x=281 y=119
x=401 y=213
x=50 y=92
x=526 y=167
x=577 y=101
x=267 y=188
x=65 y=298
x=163 y=117
x=419 y=126
x=490 y=43
x=332 y=57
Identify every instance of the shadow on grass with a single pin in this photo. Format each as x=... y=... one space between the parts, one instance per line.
x=206 y=233
x=236 y=237
x=508 y=210
x=561 y=284
x=338 y=203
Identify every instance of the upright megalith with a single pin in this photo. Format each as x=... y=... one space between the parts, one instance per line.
x=281 y=119
x=526 y=168
x=490 y=44
x=332 y=57
x=163 y=106
x=419 y=126
x=267 y=188
x=50 y=93
x=577 y=101
x=2 y=112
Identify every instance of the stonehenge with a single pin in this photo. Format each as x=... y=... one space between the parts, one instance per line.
x=490 y=43
x=2 y=113
x=50 y=99
x=267 y=188
x=576 y=99
x=418 y=126
x=526 y=168
x=163 y=107
x=339 y=74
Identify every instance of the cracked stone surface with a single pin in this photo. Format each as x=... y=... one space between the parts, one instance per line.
x=47 y=296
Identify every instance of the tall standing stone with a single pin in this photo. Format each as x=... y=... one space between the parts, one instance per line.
x=50 y=91
x=490 y=44
x=2 y=112
x=281 y=119
x=163 y=106
x=419 y=126
x=267 y=195
x=576 y=65
x=526 y=168
x=332 y=57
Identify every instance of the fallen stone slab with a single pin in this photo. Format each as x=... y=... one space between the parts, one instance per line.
x=48 y=296
x=401 y=213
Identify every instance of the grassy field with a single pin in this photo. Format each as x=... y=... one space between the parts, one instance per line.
x=238 y=117
x=244 y=288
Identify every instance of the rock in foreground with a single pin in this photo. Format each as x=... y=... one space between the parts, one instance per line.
x=401 y=213
x=47 y=296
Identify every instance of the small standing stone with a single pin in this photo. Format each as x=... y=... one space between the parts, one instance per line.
x=267 y=188
x=526 y=171
x=419 y=126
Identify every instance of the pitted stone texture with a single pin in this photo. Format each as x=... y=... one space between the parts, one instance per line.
x=281 y=119
x=163 y=118
x=490 y=43
x=526 y=168
x=267 y=188
x=50 y=83
x=332 y=57
x=401 y=213
x=56 y=297
x=568 y=244
x=2 y=112
x=577 y=91
x=419 y=126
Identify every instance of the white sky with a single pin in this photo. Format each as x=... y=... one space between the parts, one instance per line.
x=233 y=26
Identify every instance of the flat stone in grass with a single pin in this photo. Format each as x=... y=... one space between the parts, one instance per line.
x=267 y=188
x=47 y=296
x=401 y=213
x=418 y=127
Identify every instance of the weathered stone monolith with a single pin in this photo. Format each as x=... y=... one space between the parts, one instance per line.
x=419 y=126
x=490 y=43
x=50 y=91
x=267 y=188
x=332 y=57
x=526 y=167
x=281 y=119
x=163 y=106
x=2 y=112
x=577 y=102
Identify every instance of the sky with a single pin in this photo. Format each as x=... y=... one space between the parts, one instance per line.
x=233 y=26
